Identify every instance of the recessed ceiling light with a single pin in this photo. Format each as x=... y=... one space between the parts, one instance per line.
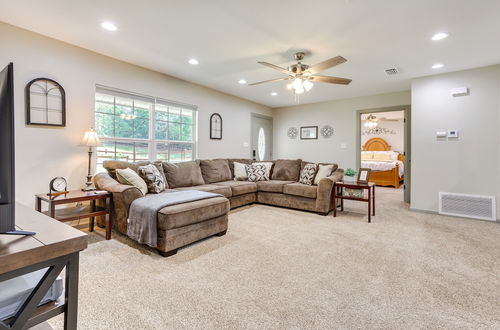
x=440 y=36
x=242 y=82
x=274 y=93
x=193 y=61
x=108 y=26
x=437 y=66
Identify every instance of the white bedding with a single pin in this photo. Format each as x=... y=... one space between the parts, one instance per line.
x=383 y=166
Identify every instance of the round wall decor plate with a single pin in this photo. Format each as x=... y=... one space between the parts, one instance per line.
x=292 y=132
x=326 y=131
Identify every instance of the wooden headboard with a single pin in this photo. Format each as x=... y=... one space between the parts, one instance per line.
x=379 y=144
x=376 y=144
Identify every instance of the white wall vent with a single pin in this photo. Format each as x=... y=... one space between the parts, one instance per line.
x=469 y=206
x=391 y=71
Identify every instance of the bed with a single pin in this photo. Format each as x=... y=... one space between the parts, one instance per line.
x=387 y=165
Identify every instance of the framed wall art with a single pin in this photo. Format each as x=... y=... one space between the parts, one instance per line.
x=215 y=127
x=45 y=103
x=309 y=133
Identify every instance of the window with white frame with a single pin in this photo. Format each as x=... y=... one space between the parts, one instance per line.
x=134 y=127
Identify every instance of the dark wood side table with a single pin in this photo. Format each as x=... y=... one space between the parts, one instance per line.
x=53 y=247
x=78 y=212
x=338 y=193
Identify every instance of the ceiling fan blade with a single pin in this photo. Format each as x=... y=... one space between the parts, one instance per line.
x=326 y=64
x=331 y=80
x=275 y=67
x=267 y=81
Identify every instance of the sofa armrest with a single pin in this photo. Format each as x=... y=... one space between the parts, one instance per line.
x=325 y=188
x=123 y=196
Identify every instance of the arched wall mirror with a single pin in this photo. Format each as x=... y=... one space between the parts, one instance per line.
x=215 y=127
x=45 y=103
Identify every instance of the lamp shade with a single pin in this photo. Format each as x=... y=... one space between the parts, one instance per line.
x=91 y=139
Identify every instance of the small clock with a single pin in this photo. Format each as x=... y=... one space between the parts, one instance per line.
x=58 y=186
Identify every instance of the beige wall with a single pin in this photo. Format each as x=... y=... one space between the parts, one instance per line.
x=340 y=114
x=43 y=153
x=469 y=164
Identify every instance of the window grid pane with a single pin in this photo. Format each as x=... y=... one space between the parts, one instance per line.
x=129 y=127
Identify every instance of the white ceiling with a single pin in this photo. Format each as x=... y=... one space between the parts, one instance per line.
x=228 y=37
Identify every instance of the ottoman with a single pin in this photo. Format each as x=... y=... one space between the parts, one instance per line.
x=182 y=224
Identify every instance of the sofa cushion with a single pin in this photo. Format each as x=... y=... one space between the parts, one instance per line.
x=184 y=174
x=223 y=190
x=286 y=169
x=128 y=176
x=272 y=185
x=324 y=171
x=335 y=166
x=257 y=172
x=239 y=187
x=308 y=173
x=269 y=167
x=112 y=165
x=299 y=189
x=239 y=160
x=240 y=171
x=180 y=215
x=215 y=170
x=153 y=178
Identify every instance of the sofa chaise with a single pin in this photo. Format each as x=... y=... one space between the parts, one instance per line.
x=182 y=224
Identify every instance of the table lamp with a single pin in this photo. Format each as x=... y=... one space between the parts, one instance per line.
x=91 y=140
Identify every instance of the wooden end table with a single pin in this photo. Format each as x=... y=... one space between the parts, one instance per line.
x=338 y=193
x=77 y=212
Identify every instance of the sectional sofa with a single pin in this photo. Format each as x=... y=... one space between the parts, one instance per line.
x=182 y=224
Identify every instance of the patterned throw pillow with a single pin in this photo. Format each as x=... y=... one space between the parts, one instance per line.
x=308 y=173
x=153 y=178
x=257 y=172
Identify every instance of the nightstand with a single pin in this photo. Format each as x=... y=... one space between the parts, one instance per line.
x=90 y=211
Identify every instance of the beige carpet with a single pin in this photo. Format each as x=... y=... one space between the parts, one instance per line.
x=284 y=269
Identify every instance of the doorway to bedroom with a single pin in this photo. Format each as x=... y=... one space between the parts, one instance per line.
x=384 y=148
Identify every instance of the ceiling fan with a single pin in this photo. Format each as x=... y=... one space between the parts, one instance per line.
x=302 y=76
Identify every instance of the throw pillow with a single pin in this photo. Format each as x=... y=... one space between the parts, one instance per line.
x=129 y=177
x=153 y=178
x=268 y=165
x=308 y=173
x=240 y=172
x=323 y=172
x=257 y=172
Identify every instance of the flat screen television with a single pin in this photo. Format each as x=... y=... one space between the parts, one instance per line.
x=7 y=156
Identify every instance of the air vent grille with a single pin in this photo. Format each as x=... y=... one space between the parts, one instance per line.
x=391 y=71
x=470 y=206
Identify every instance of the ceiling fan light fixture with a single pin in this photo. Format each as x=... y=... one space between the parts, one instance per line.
x=289 y=86
x=299 y=90
x=307 y=85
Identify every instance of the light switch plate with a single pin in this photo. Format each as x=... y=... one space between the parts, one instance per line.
x=441 y=134
x=245 y=144
x=453 y=133
x=343 y=145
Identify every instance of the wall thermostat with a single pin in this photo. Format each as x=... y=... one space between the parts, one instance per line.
x=453 y=133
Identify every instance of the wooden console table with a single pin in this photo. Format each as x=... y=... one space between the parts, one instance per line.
x=338 y=193
x=78 y=212
x=54 y=246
